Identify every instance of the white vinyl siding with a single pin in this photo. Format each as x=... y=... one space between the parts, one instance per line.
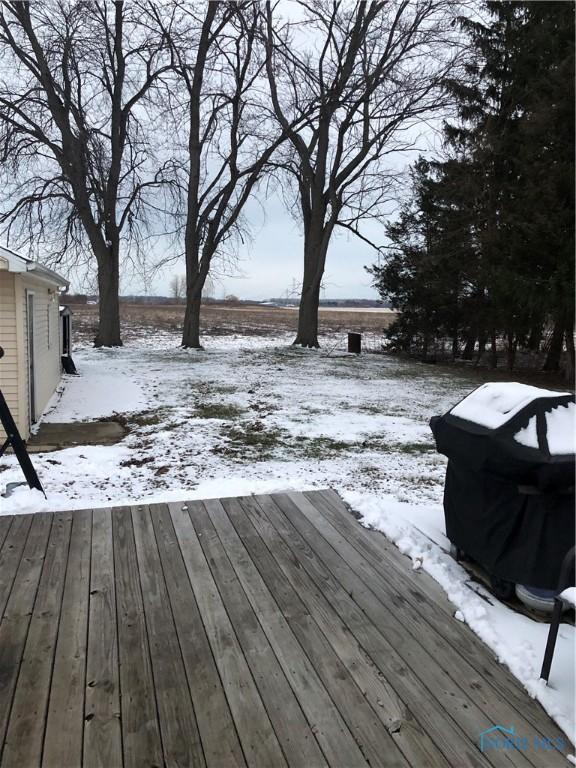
x=14 y=369
x=46 y=357
x=8 y=341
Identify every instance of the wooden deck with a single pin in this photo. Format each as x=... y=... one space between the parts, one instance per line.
x=262 y=631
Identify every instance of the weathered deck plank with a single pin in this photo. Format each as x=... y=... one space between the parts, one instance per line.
x=293 y=732
x=65 y=721
x=102 y=737
x=17 y=615
x=217 y=730
x=180 y=739
x=11 y=554
x=427 y=597
x=374 y=740
x=384 y=568
x=331 y=731
x=300 y=566
x=141 y=742
x=261 y=631
x=386 y=637
x=259 y=742
x=26 y=726
x=5 y=523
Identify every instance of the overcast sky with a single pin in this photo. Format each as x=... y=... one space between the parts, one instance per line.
x=271 y=263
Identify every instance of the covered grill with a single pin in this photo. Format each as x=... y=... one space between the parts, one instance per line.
x=509 y=493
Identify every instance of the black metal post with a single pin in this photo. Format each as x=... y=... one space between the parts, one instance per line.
x=563 y=582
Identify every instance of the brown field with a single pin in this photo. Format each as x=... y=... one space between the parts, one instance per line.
x=221 y=320
x=143 y=320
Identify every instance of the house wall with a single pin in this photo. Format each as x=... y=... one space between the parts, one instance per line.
x=9 y=379
x=46 y=338
x=14 y=368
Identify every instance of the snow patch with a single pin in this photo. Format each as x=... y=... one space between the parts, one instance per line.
x=528 y=435
x=99 y=391
x=495 y=403
x=561 y=429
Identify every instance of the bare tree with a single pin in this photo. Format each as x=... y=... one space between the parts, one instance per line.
x=178 y=287
x=364 y=75
x=73 y=132
x=230 y=136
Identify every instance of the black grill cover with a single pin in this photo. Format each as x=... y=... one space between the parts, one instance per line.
x=508 y=506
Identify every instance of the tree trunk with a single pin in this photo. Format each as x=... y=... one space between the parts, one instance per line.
x=535 y=338
x=315 y=247
x=191 y=329
x=307 y=335
x=493 y=350
x=196 y=273
x=481 y=348
x=569 y=372
x=511 y=350
x=468 y=351
x=552 y=362
x=455 y=344
x=425 y=346
x=108 y=300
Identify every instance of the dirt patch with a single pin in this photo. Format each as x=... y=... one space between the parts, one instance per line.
x=56 y=436
x=135 y=462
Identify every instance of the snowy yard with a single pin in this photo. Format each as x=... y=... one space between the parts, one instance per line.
x=253 y=415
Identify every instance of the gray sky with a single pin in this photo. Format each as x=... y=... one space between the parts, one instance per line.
x=272 y=260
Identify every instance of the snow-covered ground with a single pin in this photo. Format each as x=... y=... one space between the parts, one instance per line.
x=254 y=415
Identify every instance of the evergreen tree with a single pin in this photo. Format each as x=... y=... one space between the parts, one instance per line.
x=485 y=246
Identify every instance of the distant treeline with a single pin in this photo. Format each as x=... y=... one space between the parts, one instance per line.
x=82 y=298
x=352 y=303
x=482 y=258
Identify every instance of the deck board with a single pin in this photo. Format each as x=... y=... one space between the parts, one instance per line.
x=102 y=739
x=141 y=742
x=294 y=734
x=217 y=730
x=63 y=732
x=260 y=631
x=179 y=729
x=330 y=730
x=404 y=641
x=11 y=554
x=259 y=742
x=26 y=725
x=16 y=619
x=385 y=565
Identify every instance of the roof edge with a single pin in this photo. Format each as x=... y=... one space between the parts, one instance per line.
x=19 y=263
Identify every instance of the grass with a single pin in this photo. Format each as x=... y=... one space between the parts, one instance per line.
x=250 y=440
x=322 y=447
x=158 y=417
x=414 y=448
x=222 y=411
x=213 y=388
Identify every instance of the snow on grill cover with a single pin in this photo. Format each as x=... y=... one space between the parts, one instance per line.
x=509 y=491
